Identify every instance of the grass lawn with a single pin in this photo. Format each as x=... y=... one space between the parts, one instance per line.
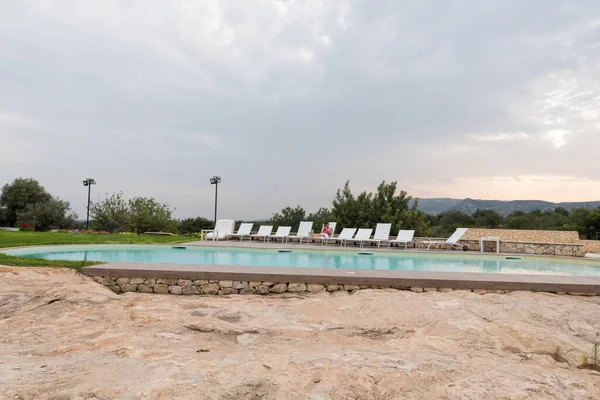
x=23 y=238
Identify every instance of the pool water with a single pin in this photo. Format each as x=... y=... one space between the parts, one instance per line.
x=357 y=259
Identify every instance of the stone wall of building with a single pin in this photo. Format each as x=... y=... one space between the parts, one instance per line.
x=221 y=288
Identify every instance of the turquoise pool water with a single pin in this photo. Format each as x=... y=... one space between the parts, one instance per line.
x=460 y=262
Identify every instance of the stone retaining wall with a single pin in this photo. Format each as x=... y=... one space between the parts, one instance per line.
x=549 y=249
x=552 y=249
x=214 y=287
x=531 y=236
x=591 y=246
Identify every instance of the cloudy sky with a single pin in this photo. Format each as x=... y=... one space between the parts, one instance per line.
x=286 y=100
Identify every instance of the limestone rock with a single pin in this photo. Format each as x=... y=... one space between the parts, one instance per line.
x=240 y=285
x=384 y=344
x=262 y=289
x=128 y=288
x=174 y=289
x=136 y=281
x=254 y=284
x=350 y=288
x=225 y=284
x=416 y=289
x=278 y=288
x=106 y=281
x=168 y=281
x=333 y=288
x=184 y=282
x=315 y=287
x=150 y=282
x=115 y=288
x=190 y=289
x=248 y=290
x=228 y=290
x=210 y=288
x=161 y=288
x=121 y=281
x=142 y=288
x=297 y=287
x=200 y=282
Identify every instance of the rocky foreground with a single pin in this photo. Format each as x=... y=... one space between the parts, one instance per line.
x=64 y=336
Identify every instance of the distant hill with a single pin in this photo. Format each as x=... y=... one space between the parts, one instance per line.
x=469 y=206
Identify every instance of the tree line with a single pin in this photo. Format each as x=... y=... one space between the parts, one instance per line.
x=25 y=201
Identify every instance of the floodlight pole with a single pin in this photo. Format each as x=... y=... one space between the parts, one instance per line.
x=88 y=182
x=215 y=180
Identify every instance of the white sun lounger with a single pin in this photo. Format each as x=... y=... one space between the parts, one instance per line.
x=347 y=233
x=244 y=230
x=452 y=240
x=362 y=235
x=331 y=225
x=382 y=234
x=223 y=228
x=303 y=231
x=263 y=232
x=403 y=237
x=282 y=232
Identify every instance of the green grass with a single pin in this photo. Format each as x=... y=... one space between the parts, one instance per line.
x=5 y=259
x=23 y=238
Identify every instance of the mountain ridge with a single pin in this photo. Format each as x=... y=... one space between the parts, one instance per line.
x=504 y=207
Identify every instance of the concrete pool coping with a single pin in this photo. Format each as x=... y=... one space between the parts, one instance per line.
x=456 y=280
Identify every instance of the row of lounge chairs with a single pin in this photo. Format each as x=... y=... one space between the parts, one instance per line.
x=360 y=237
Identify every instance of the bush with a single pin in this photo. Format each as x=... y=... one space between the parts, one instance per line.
x=26 y=227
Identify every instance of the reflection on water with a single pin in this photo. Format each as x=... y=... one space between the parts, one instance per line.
x=319 y=259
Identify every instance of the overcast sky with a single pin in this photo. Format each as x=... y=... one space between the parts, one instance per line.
x=286 y=100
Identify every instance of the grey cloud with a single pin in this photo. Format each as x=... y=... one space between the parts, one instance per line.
x=288 y=100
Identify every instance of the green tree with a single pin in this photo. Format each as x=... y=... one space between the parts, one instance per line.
x=586 y=222
x=194 y=225
x=46 y=215
x=111 y=214
x=488 y=219
x=147 y=215
x=385 y=205
x=289 y=217
x=19 y=195
x=320 y=217
x=448 y=221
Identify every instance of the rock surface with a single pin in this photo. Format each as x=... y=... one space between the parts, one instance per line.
x=62 y=335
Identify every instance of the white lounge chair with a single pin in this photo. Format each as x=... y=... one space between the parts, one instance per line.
x=347 y=233
x=332 y=225
x=223 y=228
x=403 y=237
x=303 y=232
x=452 y=241
x=245 y=229
x=282 y=232
x=362 y=235
x=382 y=234
x=263 y=232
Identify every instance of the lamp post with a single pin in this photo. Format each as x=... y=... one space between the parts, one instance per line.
x=215 y=180
x=88 y=182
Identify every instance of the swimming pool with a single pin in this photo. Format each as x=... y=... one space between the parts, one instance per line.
x=349 y=259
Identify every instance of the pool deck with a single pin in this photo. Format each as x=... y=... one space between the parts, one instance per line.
x=456 y=280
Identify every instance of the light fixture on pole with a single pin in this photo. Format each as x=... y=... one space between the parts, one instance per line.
x=88 y=182
x=215 y=180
